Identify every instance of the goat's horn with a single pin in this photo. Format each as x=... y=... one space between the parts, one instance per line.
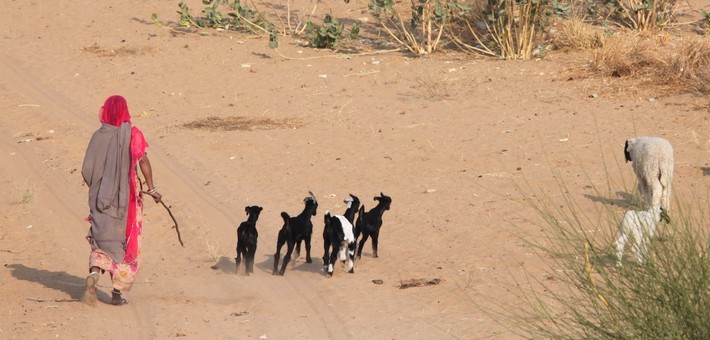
x=312 y=195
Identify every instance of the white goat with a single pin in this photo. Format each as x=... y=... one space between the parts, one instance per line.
x=652 y=159
x=640 y=225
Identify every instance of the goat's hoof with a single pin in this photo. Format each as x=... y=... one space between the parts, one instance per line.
x=351 y=271
x=309 y=261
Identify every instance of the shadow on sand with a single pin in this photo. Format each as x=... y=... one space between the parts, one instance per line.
x=623 y=199
x=60 y=281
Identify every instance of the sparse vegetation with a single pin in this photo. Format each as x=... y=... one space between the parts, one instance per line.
x=681 y=65
x=329 y=34
x=575 y=34
x=26 y=194
x=668 y=296
x=213 y=253
x=429 y=20
x=643 y=15
x=238 y=17
x=520 y=29
x=213 y=123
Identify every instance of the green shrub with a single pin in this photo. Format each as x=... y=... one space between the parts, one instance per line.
x=238 y=17
x=327 y=35
x=587 y=296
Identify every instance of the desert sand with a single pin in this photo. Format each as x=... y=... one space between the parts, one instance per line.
x=449 y=137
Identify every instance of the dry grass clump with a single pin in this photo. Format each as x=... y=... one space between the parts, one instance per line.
x=232 y=123
x=679 y=65
x=689 y=65
x=119 y=52
x=575 y=34
x=26 y=194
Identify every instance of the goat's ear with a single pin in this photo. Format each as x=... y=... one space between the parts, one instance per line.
x=627 y=154
x=247 y=210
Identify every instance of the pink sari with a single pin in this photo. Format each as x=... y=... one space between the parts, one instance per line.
x=115 y=112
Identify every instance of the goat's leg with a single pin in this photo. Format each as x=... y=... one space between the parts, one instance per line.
x=238 y=259
x=326 y=253
x=308 y=249
x=248 y=260
x=656 y=194
x=251 y=262
x=333 y=258
x=277 y=256
x=351 y=257
x=251 y=258
x=365 y=236
x=645 y=191
x=287 y=257
x=642 y=249
x=620 y=244
x=297 y=252
x=375 y=239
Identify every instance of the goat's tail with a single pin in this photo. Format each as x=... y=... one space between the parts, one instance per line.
x=285 y=216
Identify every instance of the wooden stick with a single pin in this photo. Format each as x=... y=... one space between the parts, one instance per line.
x=140 y=182
x=177 y=229
x=174 y=221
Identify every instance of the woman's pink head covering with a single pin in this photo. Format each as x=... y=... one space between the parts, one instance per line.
x=115 y=111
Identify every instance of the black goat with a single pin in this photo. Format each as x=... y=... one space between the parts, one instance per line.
x=246 y=239
x=369 y=223
x=295 y=230
x=353 y=204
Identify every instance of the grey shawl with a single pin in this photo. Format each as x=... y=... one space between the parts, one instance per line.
x=106 y=171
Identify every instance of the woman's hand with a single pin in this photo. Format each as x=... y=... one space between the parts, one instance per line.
x=157 y=197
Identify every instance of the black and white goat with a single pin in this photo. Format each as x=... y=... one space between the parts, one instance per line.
x=246 y=239
x=369 y=223
x=295 y=230
x=338 y=235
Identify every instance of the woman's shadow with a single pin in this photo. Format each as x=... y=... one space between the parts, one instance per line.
x=60 y=281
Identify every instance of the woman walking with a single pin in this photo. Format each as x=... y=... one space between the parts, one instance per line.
x=114 y=152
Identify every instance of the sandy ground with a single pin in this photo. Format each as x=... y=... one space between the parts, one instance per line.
x=447 y=137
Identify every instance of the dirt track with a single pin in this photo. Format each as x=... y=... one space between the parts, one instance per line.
x=446 y=137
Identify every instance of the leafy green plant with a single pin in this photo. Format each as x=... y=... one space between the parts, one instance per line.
x=327 y=35
x=238 y=17
x=509 y=29
x=429 y=19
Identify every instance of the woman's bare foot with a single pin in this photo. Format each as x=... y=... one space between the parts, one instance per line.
x=90 y=289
